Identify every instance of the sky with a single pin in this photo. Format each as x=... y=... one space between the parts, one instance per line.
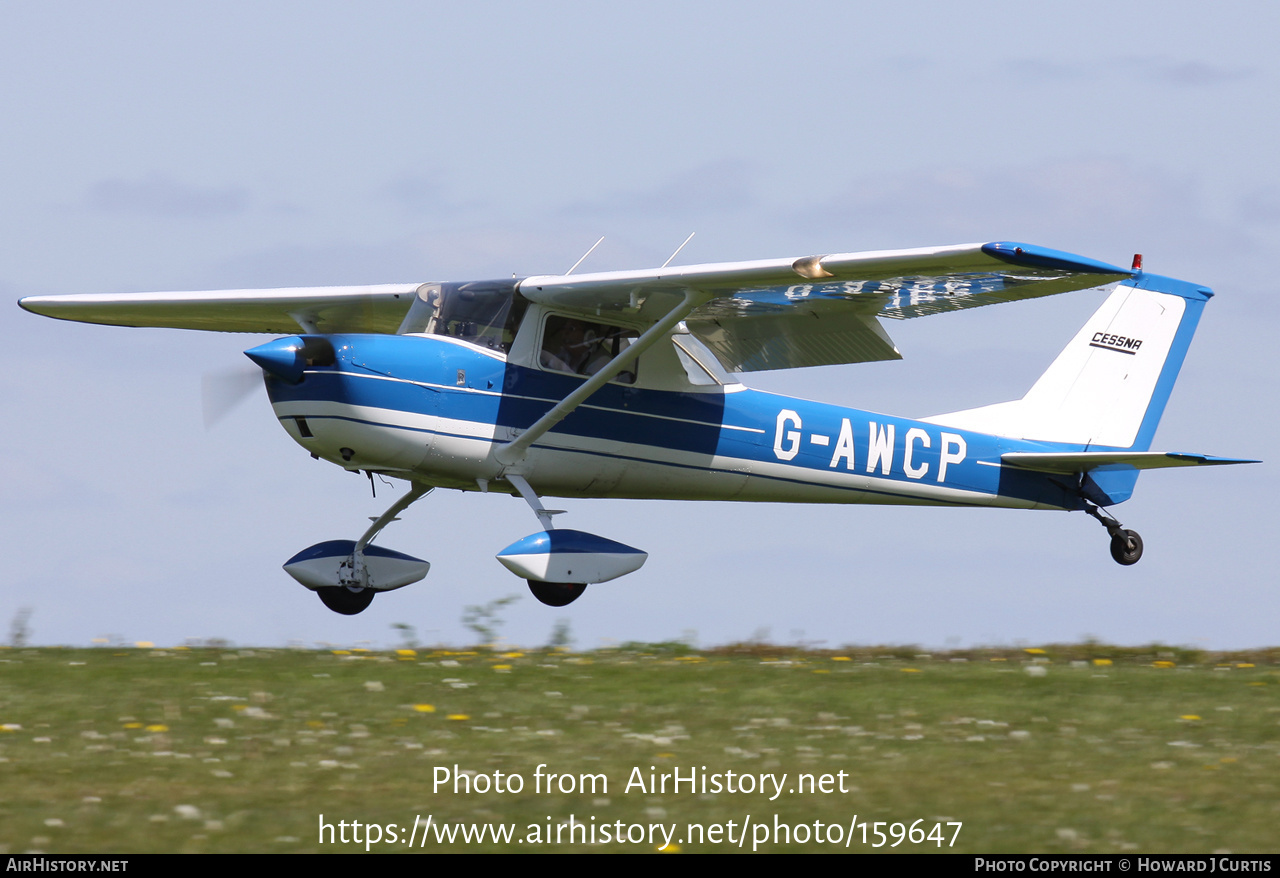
x=160 y=146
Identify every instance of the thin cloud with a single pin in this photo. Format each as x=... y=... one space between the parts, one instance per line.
x=1194 y=74
x=1261 y=207
x=332 y=263
x=961 y=200
x=1155 y=70
x=414 y=193
x=1096 y=206
x=161 y=197
x=710 y=188
x=465 y=253
x=1037 y=69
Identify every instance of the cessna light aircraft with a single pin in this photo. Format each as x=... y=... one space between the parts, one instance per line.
x=620 y=384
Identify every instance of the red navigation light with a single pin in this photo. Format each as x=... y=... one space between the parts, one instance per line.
x=1137 y=262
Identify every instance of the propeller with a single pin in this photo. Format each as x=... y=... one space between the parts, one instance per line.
x=284 y=359
x=222 y=391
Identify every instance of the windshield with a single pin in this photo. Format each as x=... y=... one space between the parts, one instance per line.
x=486 y=313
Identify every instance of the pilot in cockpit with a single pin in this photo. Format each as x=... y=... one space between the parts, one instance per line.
x=573 y=347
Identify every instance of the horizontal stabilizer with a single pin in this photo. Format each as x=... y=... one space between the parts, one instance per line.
x=1085 y=461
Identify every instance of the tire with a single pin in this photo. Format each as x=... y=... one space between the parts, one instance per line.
x=1126 y=547
x=556 y=594
x=346 y=601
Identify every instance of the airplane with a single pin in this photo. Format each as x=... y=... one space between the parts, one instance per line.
x=622 y=384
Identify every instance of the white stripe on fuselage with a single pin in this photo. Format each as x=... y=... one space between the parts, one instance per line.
x=469 y=446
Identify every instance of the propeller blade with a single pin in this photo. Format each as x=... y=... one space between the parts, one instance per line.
x=222 y=391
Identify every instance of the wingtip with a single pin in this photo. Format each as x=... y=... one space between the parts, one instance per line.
x=30 y=303
x=1043 y=257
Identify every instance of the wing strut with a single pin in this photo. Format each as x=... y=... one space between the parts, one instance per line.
x=516 y=449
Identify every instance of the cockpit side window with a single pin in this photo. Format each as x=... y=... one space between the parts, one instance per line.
x=582 y=347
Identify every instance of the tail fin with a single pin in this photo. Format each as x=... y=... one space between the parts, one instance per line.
x=1109 y=386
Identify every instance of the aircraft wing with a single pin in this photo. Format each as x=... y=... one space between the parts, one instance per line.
x=823 y=310
x=377 y=308
x=766 y=314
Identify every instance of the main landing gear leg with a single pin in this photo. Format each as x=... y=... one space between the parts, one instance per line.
x=1126 y=545
x=530 y=497
x=353 y=595
x=553 y=594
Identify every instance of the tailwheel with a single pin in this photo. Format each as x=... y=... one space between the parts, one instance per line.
x=556 y=594
x=347 y=601
x=1126 y=547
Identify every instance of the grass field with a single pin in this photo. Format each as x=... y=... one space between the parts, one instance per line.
x=1083 y=748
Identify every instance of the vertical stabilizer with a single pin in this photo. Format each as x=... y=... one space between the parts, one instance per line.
x=1109 y=386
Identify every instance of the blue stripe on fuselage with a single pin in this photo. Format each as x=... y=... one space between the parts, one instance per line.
x=826 y=438
x=420 y=375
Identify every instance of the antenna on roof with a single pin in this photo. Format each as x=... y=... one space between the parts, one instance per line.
x=585 y=255
x=678 y=249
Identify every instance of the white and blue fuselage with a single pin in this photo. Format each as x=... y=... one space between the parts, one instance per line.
x=435 y=410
